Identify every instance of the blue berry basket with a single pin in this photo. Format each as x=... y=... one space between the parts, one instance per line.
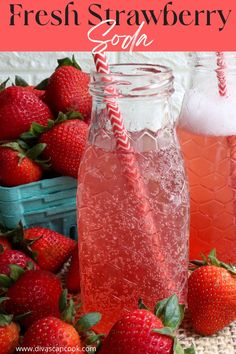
x=49 y=203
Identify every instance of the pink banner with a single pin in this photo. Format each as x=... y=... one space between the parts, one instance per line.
x=138 y=25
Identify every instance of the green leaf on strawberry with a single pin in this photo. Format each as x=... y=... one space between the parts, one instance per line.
x=16 y=272
x=141 y=305
x=5 y=319
x=37 y=129
x=24 y=151
x=178 y=349
x=5 y=282
x=170 y=312
x=212 y=260
x=87 y=321
x=4 y=84
x=68 y=62
x=42 y=85
x=19 y=81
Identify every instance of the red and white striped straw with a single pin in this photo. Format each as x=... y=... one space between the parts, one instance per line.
x=220 y=72
x=114 y=113
x=128 y=161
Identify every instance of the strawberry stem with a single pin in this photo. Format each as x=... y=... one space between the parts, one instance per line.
x=3 y=85
x=68 y=62
x=36 y=129
x=19 y=81
x=212 y=260
x=141 y=305
x=42 y=85
x=88 y=321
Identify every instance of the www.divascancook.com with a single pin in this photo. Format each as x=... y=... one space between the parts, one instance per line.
x=55 y=349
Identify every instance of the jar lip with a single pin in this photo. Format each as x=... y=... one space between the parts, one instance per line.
x=208 y=60
x=139 y=70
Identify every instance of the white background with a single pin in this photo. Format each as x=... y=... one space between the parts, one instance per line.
x=34 y=66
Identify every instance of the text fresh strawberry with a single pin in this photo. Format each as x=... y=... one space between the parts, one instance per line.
x=19 y=108
x=36 y=292
x=212 y=295
x=68 y=89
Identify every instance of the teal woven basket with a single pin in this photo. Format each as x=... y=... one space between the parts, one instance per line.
x=49 y=203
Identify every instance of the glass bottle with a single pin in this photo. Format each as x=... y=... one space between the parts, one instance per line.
x=207 y=133
x=125 y=255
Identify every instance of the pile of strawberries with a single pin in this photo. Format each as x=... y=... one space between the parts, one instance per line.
x=32 y=302
x=44 y=127
x=36 y=312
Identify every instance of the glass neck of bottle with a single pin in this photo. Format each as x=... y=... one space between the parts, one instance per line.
x=141 y=91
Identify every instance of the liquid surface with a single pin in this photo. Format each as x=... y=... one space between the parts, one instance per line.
x=126 y=253
x=211 y=168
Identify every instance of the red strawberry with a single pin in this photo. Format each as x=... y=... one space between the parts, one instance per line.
x=65 y=145
x=9 y=335
x=19 y=108
x=140 y=331
x=37 y=292
x=68 y=90
x=19 y=81
x=39 y=93
x=212 y=295
x=133 y=335
x=73 y=275
x=51 y=248
x=52 y=332
x=14 y=257
x=4 y=244
x=16 y=165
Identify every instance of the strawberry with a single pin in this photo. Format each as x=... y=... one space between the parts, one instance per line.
x=65 y=141
x=141 y=331
x=68 y=89
x=4 y=244
x=134 y=334
x=9 y=334
x=60 y=333
x=39 y=93
x=65 y=146
x=35 y=292
x=212 y=295
x=10 y=257
x=19 y=108
x=17 y=166
x=73 y=275
x=52 y=332
x=19 y=81
x=49 y=249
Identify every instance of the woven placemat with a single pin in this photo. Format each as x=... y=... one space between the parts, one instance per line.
x=222 y=343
